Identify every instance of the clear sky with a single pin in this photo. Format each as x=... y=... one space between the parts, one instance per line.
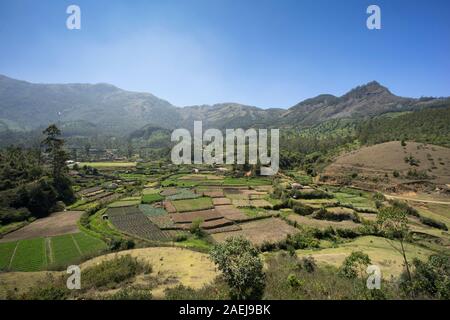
x=267 y=53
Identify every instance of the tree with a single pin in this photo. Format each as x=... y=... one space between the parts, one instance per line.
x=241 y=266
x=54 y=146
x=355 y=264
x=431 y=278
x=393 y=221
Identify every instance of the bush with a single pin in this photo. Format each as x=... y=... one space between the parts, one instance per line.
x=316 y=194
x=354 y=265
x=403 y=206
x=110 y=273
x=302 y=209
x=433 y=223
x=131 y=294
x=241 y=266
x=323 y=214
x=196 y=229
x=300 y=241
x=180 y=237
x=430 y=279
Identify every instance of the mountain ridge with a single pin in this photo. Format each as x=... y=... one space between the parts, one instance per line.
x=114 y=111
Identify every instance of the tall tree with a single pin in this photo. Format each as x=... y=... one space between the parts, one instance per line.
x=54 y=144
x=393 y=221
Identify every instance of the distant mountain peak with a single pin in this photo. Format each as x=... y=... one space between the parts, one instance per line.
x=370 y=88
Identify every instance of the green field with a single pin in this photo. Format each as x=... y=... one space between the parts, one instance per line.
x=124 y=203
x=108 y=164
x=39 y=253
x=31 y=255
x=193 y=204
x=64 y=250
x=6 y=252
x=151 y=198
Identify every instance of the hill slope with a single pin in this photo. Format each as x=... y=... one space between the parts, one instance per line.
x=389 y=164
x=106 y=109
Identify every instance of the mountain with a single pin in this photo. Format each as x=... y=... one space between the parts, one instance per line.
x=113 y=110
x=364 y=101
x=86 y=109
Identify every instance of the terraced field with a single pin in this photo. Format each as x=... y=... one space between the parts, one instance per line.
x=132 y=221
x=38 y=253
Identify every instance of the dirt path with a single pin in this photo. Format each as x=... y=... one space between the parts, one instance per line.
x=12 y=256
x=416 y=200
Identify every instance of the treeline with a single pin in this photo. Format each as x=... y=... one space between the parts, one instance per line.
x=428 y=126
x=34 y=181
x=312 y=148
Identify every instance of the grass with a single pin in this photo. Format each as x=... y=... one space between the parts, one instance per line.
x=108 y=164
x=12 y=227
x=36 y=254
x=88 y=244
x=64 y=250
x=247 y=181
x=126 y=203
x=151 y=191
x=6 y=252
x=193 y=204
x=151 y=198
x=30 y=255
x=194 y=242
x=438 y=212
x=379 y=250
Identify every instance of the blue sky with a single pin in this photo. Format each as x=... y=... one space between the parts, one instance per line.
x=265 y=53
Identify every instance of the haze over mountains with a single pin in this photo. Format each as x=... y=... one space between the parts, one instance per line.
x=102 y=108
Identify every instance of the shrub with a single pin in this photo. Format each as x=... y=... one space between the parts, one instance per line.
x=308 y=264
x=403 y=206
x=433 y=223
x=196 y=229
x=241 y=266
x=302 y=209
x=180 y=237
x=430 y=279
x=354 y=265
x=110 y=273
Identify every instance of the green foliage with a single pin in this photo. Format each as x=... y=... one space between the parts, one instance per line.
x=241 y=266
x=433 y=223
x=430 y=279
x=196 y=229
x=151 y=198
x=355 y=264
x=111 y=273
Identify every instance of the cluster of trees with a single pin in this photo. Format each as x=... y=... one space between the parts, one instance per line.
x=34 y=180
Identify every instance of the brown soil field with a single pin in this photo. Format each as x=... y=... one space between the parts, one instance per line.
x=218 y=223
x=231 y=213
x=221 y=201
x=260 y=231
x=170 y=208
x=233 y=227
x=388 y=157
x=55 y=225
x=213 y=194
